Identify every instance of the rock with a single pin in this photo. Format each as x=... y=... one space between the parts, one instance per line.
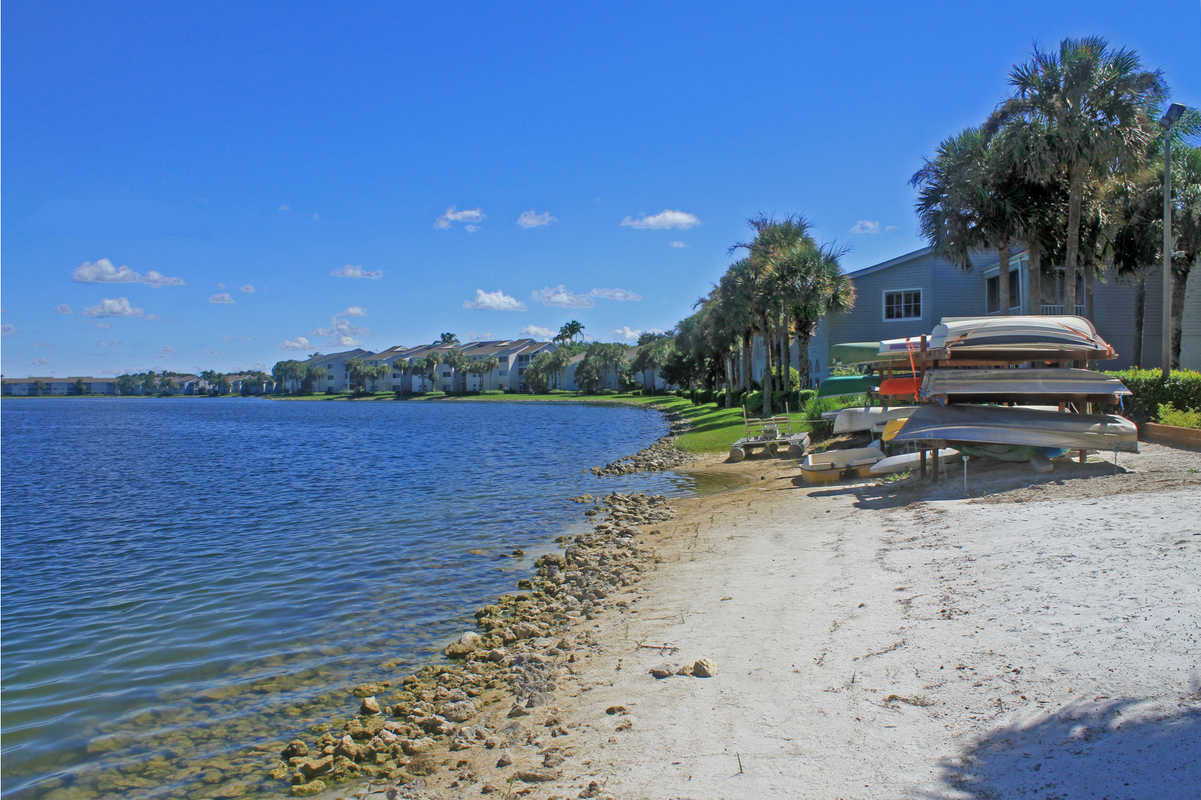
x=663 y=671
x=295 y=748
x=487 y=788
x=531 y=776
x=465 y=644
x=505 y=760
x=615 y=710
x=593 y=790
x=703 y=668
x=684 y=670
x=460 y=711
x=307 y=789
x=316 y=766
x=416 y=747
x=369 y=706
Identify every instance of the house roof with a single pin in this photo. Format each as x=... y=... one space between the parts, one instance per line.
x=72 y=379
x=892 y=262
x=358 y=352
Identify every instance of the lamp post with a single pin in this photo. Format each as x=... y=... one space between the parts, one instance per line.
x=1169 y=119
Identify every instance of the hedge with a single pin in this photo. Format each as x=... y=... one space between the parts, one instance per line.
x=1182 y=389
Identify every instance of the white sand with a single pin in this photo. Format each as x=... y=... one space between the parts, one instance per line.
x=940 y=649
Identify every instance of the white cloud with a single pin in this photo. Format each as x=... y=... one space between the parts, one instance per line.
x=620 y=295
x=664 y=220
x=104 y=271
x=535 y=219
x=354 y=311
x=470 y=216
x=347 y=341
x=39 y=362
x=7 y=329
x=890 y=228
x=627 y=333
x=221 y=298
x=562 y=297
x=353 y=271
x=116 y=307
x=63 y=308
x=867 y=226
x=494 y=301
x=676 y=244
x=248 y=289
x=299 y=343
x=537 y=331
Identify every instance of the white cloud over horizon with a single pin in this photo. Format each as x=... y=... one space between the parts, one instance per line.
x=471 y=217
x=619 y=295
x=562 y=297
x=299 y=343
x=866 y=226
x=104 y=271
x=537 y=331
x=494 y=301
x=222 y=298
x=667 y=219
x=116 y=307
x=355 y=271
x=535 y=219
x=354 y=311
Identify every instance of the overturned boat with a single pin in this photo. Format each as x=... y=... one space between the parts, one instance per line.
x=1018 y=338
x=1019 y=426
x=851 y=420
x=1025 y=385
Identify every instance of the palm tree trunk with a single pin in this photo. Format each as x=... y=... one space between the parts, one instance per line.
x=1075 y=191
x=1179 y=284
x=1090 y=284
x=728 y=362
x=1034 y=278
x=786 y=357
x=1003 y=277
x=1140 y=314
x=747 y=355
x=767 y=366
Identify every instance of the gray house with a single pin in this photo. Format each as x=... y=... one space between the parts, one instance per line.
x=909 y=294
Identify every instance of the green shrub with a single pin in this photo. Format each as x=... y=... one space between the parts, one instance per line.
x=1182 y=390
x=754 y=402
x=1182 y=418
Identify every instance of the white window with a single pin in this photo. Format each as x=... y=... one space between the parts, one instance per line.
x=903 y=304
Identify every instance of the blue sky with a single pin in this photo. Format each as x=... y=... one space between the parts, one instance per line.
x=220 y=186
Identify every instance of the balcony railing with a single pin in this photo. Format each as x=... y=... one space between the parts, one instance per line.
x=1057 y=309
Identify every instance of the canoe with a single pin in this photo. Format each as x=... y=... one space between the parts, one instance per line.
x=999 y=425
x=1023 y=385
x=850 y=420
x=909 y=461
x=899 y=387
x=892 y=428
x=869 y=352
x=841 y=459
x=847 y=384
x=1012 y=452
x=1013 y=337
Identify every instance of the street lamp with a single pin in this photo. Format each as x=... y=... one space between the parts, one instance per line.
x=1175 y=111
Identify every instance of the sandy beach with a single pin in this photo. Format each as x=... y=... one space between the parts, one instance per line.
x=1036 y=637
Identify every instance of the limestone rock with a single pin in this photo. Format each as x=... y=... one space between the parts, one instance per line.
x=369 y=706
x=663 y=671
x=308 y=789
x=465 y=644
x=703 y=668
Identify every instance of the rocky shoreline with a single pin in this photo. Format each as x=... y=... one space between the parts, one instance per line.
x=662 y=454
x=414 y=728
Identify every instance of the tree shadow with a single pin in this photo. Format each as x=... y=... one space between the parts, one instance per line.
x=1121 y=749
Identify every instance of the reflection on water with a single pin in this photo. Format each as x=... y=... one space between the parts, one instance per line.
x=190 y=583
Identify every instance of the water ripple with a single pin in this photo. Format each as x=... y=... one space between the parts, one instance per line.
x=186 y=579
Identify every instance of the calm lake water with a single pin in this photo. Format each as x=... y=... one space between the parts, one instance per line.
x=187 y=579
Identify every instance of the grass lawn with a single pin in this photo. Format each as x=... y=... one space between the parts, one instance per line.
x=713 y=429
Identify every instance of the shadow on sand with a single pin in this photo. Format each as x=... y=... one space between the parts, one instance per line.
x=984 y=477
x=1118 y=750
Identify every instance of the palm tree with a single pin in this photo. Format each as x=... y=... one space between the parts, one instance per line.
x=569 y=331
x=812 y=285
x=311 y=377
x=447 y=338
x=457 y=363
x=1096 y=106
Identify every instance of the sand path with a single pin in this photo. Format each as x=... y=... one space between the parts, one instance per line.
x=870 y=645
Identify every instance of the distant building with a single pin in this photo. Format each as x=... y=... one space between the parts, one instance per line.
x=58 y=386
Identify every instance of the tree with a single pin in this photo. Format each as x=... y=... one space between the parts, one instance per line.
x=79 y=387
x=311 y=376
x=811 y=285
x=1096 y=107
x=569 y=332
x=654 y=349
x=447 y=338
x=127 y=384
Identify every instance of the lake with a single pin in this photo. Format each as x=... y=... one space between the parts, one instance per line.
x=187 y=580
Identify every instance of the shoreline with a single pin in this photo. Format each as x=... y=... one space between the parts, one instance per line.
x=868 y=641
